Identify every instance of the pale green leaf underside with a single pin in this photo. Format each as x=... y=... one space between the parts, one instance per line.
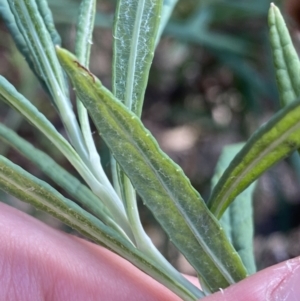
x=135 y=30
x=136 y=23
x=48 y=20
x=84 y=32
x=18 y=38
x=237 y=220
x=83 y=42
x=159 y=181
x=16 y=181
x=275 y=140
x=41 y=49
x=11 y=96
x=39 y=42
x=286 y=61
x=60 y=176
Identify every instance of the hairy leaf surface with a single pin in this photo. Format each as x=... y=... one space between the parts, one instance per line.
x=19 y=183
x=60 y=176
x=159 y=181
x=10 y=95
x=135 y=30
x=237 y=220
x=285 y=57
x=272 y=142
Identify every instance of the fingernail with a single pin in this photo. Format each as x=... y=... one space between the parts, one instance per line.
x=289 y=288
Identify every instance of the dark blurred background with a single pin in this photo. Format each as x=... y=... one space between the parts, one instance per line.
x=211 y=84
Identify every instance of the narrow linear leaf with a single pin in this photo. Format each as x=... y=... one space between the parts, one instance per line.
x=272 y=142
x=13 y=120
x=10 y=22
x=48 y=20
x=285 y=57
x=17 y=182
x=60 y=176
x=136 y=23
x=39 y=42
x=168 y=7
x=42 y=51
x=240 y=215
x=11 y=96
x=84 y=33
x=159 y=181
x=135 y=31
x=237 y=220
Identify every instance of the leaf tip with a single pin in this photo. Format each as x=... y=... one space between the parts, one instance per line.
x=65 y=57
x=274 y=8
x=273 y=11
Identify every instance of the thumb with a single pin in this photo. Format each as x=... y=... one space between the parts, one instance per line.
x=279 y=282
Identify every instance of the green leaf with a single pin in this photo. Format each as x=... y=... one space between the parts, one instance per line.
x=41 y=49
x=166 y=13
x=136 y=23
x=159 y=181
x=10 y=22
x=135 y=31
x=272 y=142
x=285 y=57
x=237 y=220
x=39 y=43
x=60 y=176
x=17 y=182
x=84 y=33
x=11 y=96
x=46 y=15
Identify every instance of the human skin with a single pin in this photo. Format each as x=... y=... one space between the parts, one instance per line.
x=38 y=263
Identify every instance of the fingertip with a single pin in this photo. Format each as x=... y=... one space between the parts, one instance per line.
x=288 y=288
x=41 y=263
x=279 y=282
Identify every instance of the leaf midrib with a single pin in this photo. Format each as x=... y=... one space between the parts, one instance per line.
x=133 y=55
x=177 y=204
x=261 y=156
